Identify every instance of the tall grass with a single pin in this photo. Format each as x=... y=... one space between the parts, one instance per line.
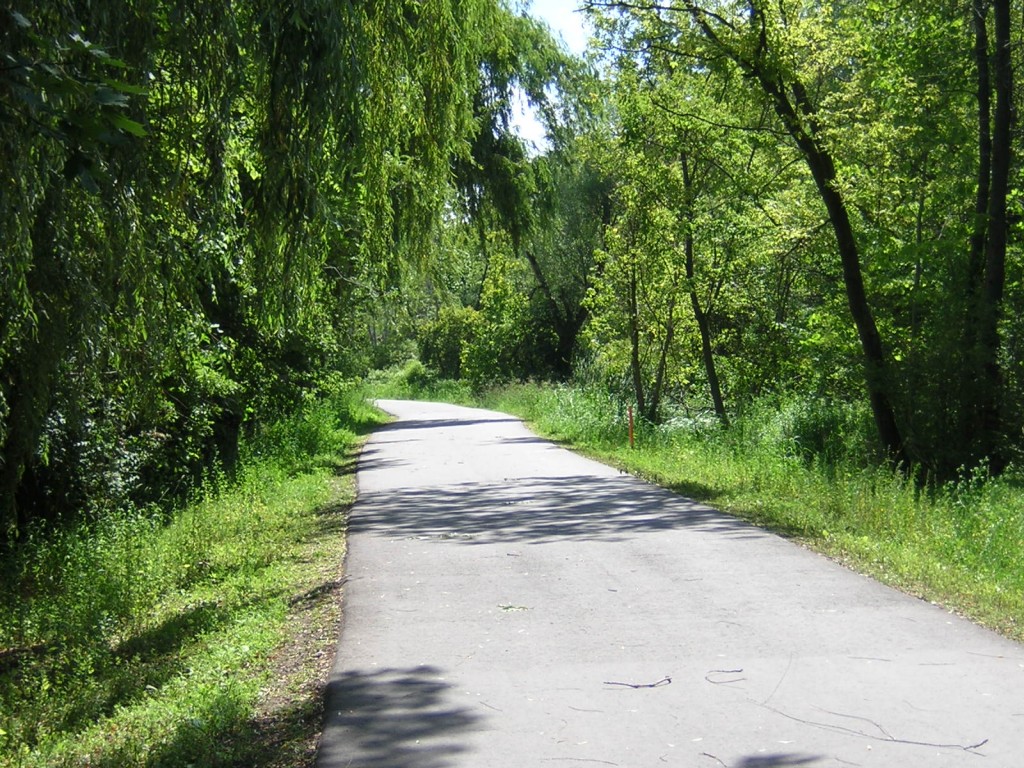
x=804 y=468
x=414 y=381
x=143 y=638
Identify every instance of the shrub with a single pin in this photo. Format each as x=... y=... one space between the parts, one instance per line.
x=442 y=341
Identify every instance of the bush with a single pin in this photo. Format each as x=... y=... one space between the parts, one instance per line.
x=442 y=341
x=414 y=381
x=814 y=429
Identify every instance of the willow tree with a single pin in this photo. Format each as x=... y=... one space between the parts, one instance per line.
x=509 y=187
x=190 y=193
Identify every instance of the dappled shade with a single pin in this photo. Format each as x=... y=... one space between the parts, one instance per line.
x=392 y=718
x=538 y=509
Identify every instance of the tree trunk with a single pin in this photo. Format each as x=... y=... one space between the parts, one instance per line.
x=970 y=395
x=990 y=307
x=798 y=116
x=876 y=372
x=567 y=327
x=981 y=379
x=975 y=258
x=707 y=350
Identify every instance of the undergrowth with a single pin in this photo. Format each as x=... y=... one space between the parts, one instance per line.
x=146 y=637
x=414 y=381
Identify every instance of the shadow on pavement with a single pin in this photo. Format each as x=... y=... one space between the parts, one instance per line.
x=537 y=509
x=777 y=761
x=392 y=718
x=401 y=426
x=370 y=459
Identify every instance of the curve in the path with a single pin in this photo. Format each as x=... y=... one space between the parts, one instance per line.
x=512 y=604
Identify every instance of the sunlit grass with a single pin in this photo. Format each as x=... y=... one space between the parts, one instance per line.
x=147 y=638
x=958 y=545
x=414 y=381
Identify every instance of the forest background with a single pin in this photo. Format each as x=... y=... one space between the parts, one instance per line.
x=793 y=223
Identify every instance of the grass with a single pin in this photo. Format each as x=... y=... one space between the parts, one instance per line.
x=414 y=381
x=791 y=468
x=205 y=637
x=199 y=639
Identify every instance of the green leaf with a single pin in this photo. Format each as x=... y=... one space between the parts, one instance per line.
x=110 y=98
x=128 y=125
x=122 y=87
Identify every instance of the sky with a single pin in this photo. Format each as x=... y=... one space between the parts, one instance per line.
x=562 y=16
x=570 y=26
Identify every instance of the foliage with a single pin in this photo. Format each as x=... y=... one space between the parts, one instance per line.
x=145 y=638
x=414 y=381
x=543 y=210
x=498 y=349
x=847 y=164
x=199 y=205
x=443 y=341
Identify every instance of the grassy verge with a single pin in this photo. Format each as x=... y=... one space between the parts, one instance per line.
x=203 y=639
x=414 y=381
x=959 y=545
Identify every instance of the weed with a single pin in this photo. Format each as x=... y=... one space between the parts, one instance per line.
x=144 y=638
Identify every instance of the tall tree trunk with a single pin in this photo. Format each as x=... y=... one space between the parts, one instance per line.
x=975 y=262
x=971 y=385
x=876 y=369
x=567 y=326
x=981 y=379
x=706 y=348
x=995 y=247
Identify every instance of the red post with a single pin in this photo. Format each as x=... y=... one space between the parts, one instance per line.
x=630 y=410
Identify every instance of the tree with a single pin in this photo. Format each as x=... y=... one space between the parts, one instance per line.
x=876 y=100
x=754 y=48
x=504 y=187
x=201 y=199
x=981 y=409
x=573 y=207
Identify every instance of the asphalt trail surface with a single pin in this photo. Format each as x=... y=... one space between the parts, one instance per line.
x=512 y=604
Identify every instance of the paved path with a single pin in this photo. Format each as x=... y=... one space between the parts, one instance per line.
x=504 y=595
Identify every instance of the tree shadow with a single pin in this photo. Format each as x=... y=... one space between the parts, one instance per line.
x=534 y=509
x=444 y=423
x=778 y=761
x=691 y=489
x=392 y=718
x=538 y=510
x=166 y=640
x=370 y=460
x=120 y=675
